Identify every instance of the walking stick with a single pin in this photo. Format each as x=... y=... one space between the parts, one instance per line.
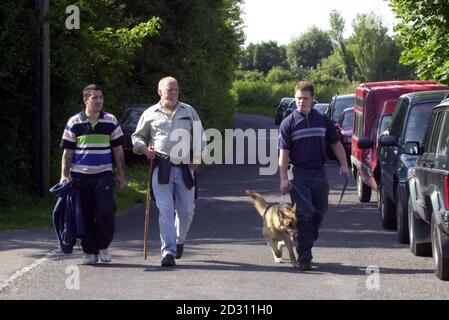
x=147 y=212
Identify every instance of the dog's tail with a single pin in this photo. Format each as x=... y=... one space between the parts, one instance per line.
x=259 y=201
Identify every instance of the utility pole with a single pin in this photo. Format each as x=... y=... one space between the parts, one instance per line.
x=42 y=139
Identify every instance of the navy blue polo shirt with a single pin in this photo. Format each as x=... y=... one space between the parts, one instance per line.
x=306 y=137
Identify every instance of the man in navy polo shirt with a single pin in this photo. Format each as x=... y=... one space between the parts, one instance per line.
x=303 y=137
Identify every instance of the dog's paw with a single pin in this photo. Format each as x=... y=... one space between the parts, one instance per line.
x=278 y=260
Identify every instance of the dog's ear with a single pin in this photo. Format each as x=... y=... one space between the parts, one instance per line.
x=293 y=210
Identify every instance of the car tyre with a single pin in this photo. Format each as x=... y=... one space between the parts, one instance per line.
x=363 y=191
x=417 y=226
x=402 y=221
x=440 y=245
x=387 y=212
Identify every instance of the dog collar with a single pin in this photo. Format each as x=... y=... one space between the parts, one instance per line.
x=266 y=210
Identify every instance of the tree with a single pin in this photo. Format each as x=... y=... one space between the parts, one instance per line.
x=376 y=53
x=309 y=49
x=423 y=30
x=337 y=23
x=263 y=56
x=268 y=55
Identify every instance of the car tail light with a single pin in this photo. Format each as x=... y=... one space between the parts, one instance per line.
x=446 y=190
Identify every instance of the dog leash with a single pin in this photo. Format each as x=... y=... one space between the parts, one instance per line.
x=343 y=190
x=305 y=201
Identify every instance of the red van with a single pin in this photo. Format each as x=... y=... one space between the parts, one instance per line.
x=370 y=100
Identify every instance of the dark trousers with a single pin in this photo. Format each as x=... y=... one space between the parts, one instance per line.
x=311 y=206
x=98 y=205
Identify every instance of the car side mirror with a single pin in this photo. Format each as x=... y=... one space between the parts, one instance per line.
x=389 y=141
x=365 y=143
x=412 y=148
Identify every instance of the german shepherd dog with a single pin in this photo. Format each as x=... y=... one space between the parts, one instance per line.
x=279 y=225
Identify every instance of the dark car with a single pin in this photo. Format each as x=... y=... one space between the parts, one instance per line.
x=428 y=206
x=292 y=107
x=338 y=104
x=321 y=107
x=128 y=122
x=283 y=105
x=408 y=123
x=344 y=130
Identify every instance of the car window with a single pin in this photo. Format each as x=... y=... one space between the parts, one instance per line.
x=347 y=119
x=339 y=106
x=431 y=145
x=292 y=104
x=417 y=122
x=398 y=118
x=444 y=137
x=286 y=102
x=384 y=123
x=131 y=118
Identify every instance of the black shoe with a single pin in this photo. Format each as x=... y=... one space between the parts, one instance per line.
x=168 y=261
x=179 y=250
x=305 y=266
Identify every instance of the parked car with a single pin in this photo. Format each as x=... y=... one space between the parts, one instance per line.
x=338 y=104
x=344 y=130
x=283 y=105
x=409 y=123
x=321 y=107
x=370 y=100
x=130 y=117
x=335 y=109
x=428 y=207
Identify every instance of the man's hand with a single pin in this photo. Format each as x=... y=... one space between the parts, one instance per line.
x=119 y=182
x=63 y=179
x=150 y=153
x=344 y=172
x=285 y=186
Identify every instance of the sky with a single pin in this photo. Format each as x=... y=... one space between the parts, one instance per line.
x=283 y=20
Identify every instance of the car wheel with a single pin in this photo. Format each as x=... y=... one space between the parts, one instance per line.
x=387 y=212
x=417 y=226
x=402 y=220
x=440 y=244
x=363 y=191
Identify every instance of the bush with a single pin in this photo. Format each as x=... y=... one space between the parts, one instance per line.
x=252 y=93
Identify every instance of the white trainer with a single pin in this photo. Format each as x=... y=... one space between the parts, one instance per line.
x=90 y=259
x=105 y=256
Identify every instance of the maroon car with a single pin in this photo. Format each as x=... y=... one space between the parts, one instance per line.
x=344 y=130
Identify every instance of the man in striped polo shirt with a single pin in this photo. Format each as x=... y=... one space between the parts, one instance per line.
x=303 y=139
x=91 y=139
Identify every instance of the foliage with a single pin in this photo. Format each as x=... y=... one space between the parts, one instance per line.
x=125 y=47
x=423 y=29
x=280 y=75
x=376 y=54
x=263 y=56
x=309 y=49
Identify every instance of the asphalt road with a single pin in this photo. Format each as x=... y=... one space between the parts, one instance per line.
x=226 y=256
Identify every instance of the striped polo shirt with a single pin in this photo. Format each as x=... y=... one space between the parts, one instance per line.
x=306 y=137
x=92 y=143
